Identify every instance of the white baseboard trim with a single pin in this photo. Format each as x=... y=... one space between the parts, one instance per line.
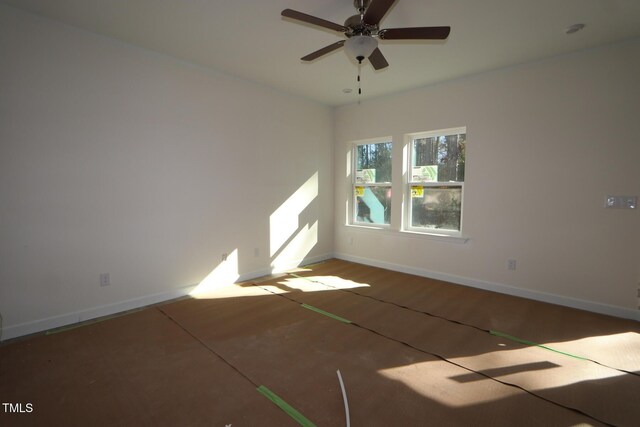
x=580 y=304
x=68 y=319
x=91 y=313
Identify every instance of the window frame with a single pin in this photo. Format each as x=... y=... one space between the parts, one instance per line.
x=409 y=183
x=353 y=220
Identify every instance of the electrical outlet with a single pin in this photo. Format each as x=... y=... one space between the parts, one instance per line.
x=104 y=279
x=511 y=264
x=621 y=202
x=224 y=256
x=256 y=252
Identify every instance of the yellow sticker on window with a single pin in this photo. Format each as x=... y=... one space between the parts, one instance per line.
x=417 y=192
x=359 y=191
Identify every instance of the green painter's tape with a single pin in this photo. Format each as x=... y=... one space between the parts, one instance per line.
x=531 y=343
x=290 y=410
x=333 y=316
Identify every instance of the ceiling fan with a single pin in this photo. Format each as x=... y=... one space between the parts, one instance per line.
x=362 y=30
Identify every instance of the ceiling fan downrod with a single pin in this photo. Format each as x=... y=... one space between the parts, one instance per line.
x=361 y=5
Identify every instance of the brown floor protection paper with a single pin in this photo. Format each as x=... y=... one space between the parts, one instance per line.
x=140 y=369
x=198 y=362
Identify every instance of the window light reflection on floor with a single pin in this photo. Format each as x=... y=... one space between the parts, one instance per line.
x=455 y=387
x=220 y=284
x=314 y=284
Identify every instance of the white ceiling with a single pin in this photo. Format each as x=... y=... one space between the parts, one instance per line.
x=249 y=38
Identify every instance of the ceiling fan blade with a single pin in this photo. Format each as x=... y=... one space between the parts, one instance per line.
x=378 y=60
x=417 y=33
x=376 y=11
x=293 y=14
x=318 y=53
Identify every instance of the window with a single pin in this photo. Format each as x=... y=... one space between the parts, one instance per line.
x=372 y=184
x=433 y=165
x=435 y=184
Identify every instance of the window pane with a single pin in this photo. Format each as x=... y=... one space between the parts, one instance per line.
x=373 y=162
x=438 y=159
x=436 y=207
x=373 y=205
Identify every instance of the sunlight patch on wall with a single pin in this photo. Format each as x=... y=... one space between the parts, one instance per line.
x=225 y=274
x=297 y=249
x=284 y=221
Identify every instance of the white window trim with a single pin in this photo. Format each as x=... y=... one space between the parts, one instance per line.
x=407 y=184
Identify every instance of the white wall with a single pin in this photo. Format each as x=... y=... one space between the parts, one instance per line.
x=117 y=159
x=120 y=160
x=546 y=142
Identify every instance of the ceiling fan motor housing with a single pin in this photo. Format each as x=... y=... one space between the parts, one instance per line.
x=356 y=27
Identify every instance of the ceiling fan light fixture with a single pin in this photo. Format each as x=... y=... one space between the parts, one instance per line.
x=360 y=47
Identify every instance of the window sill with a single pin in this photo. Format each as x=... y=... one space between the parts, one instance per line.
x=412 y=234
x=384 y=227
x=436 y=236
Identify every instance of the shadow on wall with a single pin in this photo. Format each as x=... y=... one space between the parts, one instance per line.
x=289 y=242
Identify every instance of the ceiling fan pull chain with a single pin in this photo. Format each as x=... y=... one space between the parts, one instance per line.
x=359 y=83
